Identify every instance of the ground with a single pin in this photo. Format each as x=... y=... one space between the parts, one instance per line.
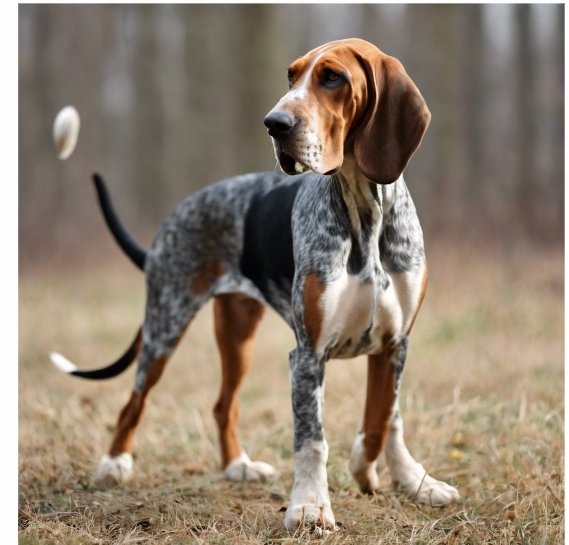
x=482 y=400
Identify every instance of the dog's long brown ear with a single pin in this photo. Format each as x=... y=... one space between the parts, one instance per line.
x=394 y=123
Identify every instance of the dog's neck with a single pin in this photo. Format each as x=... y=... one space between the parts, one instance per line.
x=363 y=198
x=350 y=173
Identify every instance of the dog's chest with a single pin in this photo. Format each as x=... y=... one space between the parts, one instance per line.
x=362 y=317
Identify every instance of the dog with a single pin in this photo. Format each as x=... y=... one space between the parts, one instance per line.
x=332 y=243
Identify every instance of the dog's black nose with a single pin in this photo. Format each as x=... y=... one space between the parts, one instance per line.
x=279 y=123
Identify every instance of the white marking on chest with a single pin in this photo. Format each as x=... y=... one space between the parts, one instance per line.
x=347 y=310
x=352 y=307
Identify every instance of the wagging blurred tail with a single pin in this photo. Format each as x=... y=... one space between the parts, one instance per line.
x=130 y=247
x=137 y=254
x=110 y=371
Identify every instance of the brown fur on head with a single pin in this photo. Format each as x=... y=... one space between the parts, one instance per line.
x=349 y=97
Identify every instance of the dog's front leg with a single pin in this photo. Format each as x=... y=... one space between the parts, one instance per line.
x=310 y=502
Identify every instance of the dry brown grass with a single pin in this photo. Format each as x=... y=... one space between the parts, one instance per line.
x=482 y=400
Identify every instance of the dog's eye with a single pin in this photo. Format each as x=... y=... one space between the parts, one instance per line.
x=332 y=79
x=290 y=77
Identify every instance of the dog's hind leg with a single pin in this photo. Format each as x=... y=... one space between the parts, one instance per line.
x=236 y=320
x=170 y=308
x=117 y=465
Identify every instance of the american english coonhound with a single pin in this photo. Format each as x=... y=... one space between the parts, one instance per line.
x=333 y=245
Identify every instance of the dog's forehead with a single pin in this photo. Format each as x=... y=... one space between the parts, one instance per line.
x=340 y=50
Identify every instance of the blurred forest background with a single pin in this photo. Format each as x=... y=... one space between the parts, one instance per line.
x=172 y=97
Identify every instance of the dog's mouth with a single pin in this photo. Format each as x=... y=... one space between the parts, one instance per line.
x=290 y=165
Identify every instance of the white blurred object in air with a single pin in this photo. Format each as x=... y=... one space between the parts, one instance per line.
x=66 y=131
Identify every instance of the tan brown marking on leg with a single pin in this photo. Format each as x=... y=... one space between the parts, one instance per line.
x=313 y=315
x=236 y=319
x=127 y=422
x=379 y=403
x=206 y=277
x=421 y=297
x=132 y=411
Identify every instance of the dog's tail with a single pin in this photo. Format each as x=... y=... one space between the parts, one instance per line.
x=110 y=371
x=129 y=246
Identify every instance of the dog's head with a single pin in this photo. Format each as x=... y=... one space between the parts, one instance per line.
x=347 y=97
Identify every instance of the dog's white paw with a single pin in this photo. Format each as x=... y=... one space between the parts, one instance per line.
x=419 y=486
x=310 y=502
x=114 y=469
x=243 y=469
x=363 y=471
x=310 y=513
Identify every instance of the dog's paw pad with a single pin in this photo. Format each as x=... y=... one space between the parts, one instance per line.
x=114 y=470
x=243 y=469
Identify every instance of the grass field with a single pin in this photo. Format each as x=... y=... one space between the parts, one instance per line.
x=482 y=400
